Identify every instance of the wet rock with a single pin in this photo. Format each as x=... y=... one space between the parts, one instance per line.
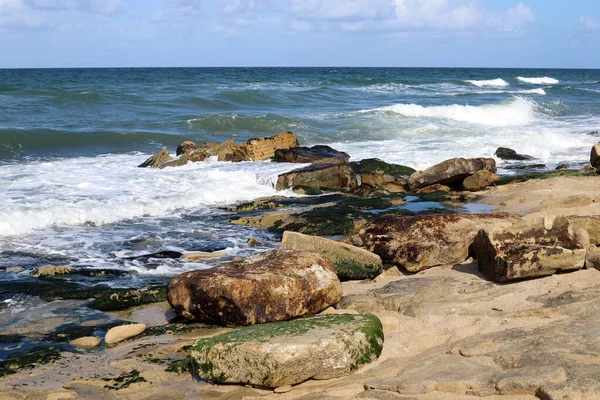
x=424 y=241
x=286 y=353
x=186 y=146
x=379 y=180
x=375 y=165
x=86 y=342
x=433 y=189
x=123 y=332
x=29 y=359
x=13 y=269
x=504 y=153
x=530 y=249
x=340 y=177
x=264 y=148
x=312 y=155
x=160 y=254
x=157 y=160
x=525 y=166
x=450 y=172
x=595 y=156
x=51 y=270
x=480 y=180
x=202 y=256
x=272 y=286
x=562 y=166
x=228 y=151
x=252 y=242
x=350 y=262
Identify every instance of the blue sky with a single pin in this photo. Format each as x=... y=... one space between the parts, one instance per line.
x=453 y=33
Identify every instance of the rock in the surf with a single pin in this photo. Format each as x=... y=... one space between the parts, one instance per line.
x=286 y=353
x=530 y=249
x=595 y=156
x=480 y=180
x=313 y=155
x=450 y=172
x=504 y=153
x=320 y=176
x=375 y=165
x=259 y=149
x=425 y=241
x=51 y=270
x=186 y=146
x=157 y=160
x=272 y=286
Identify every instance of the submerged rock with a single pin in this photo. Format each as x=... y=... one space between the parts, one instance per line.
x=480 y=180
x=313 y=155
x=264 y=148
x=450 y=172
x=504 y=153
x=321 y=176
x=286 y=353
x=530 y=249
x=272 y=286
x=424 y=241
x=350 y=262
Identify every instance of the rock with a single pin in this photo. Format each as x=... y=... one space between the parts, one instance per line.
x=450 y=172
x=51 y=270
x=504 y=153
x=313 y=155
x=530 y=249
x=379 y=180
x=375 y=165
x=160 y=254
x=341 y=177
x=264 y=148
x=592 y=258
x=424 y=241
x=591 y=223
x=525 y=166
x=480 y=180
x=253 y=242
x=86 y=342
x=272 y=286
x=123 y=332
x=186 y=146
x=562 y=166
x=595 y=156
x=228 y=151
x=14 y=269
x=286 y=353
x=350 y=262
x=283 y=389
x=157 y=160
x=434 y=188
x=202 y=256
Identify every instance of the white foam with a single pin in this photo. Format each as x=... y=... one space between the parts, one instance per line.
x=517 y=111
x=539 y=81
x=491 y=82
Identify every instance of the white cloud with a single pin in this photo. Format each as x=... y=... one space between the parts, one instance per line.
x=246 y=6
x=344 y=10
x=589 y=23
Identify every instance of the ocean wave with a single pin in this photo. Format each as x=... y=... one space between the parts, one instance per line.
x=233 y=122
x=539 y=81
x=517 y=111
x=491 y=82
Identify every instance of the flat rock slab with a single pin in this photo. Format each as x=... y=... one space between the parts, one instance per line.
x=272 y=286
x=450 y=172
x=287 y=353
x=328 y=176
x=312 y=155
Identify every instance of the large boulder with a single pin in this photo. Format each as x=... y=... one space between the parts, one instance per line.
x=350 y=262
x=273 y=286
x=480 y=180
x=450 y=172
x=286 y=353
x=328 y=176
x=157 y=160
x=504 y=153
x=312 y=155
x=424 y=241
x=595 y=156
x=379 y=180
x=264 y=148
x=530 y=249
x=227 y=151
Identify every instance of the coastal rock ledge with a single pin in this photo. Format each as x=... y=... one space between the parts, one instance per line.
x=286 y=353
x=272 y=286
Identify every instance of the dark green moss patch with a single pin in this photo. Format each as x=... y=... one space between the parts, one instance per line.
x=348 y=270
x=177 y=328
x=124 y=380
x=311 y=191
x=66 y=333
x=371 y=165
x=180 y=366
x=544 y=175
x=29 y=359
x=120 y=299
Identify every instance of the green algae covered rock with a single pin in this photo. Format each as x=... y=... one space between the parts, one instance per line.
x=286 y=353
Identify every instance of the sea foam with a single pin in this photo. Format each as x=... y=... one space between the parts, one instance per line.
x=491 y=82
x=539 y=81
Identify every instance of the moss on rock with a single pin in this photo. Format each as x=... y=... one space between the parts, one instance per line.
x=29 y=359
x=371 y=165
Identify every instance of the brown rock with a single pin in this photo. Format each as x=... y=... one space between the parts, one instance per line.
x=273 y=286
x=186 y=146
x=86 y=342
x=123 y=332
x=425 y=241
x=196 y=155
x=341 y=177
x=264 y=148
x=595 y=156
x=434 y=188
x=51 y=270
x=592 y=258
x=14 y=268
x=591 y=223
x=379 y=180
x=450 y=172
x=312 y=155
x=157 y=159
x=480 y=180
x=530 y=249
x=201 y=256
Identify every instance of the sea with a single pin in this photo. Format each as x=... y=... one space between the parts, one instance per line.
x=71 y=139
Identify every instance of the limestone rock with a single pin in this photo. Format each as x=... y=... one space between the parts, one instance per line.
x=530 y=249
x=86 y=342
x=504 y=153
x=592 y=258
x=425 y=241
x=264 y=148
x=379 y=180
x=450 y=172
x=591 y=223
x=123 y=332
x=341 y=177
x=186 y=146
x=157 y=160
x=480 y=180
x=433 y=188
x=286 y=353
x=350 y=262
x=272 y=286
x=595 y=156
x=51 y=270
x=312 y=155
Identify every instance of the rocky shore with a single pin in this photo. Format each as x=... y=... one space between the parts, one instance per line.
x=448 y=283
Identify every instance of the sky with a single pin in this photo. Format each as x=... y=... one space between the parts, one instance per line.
x=386 y=33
